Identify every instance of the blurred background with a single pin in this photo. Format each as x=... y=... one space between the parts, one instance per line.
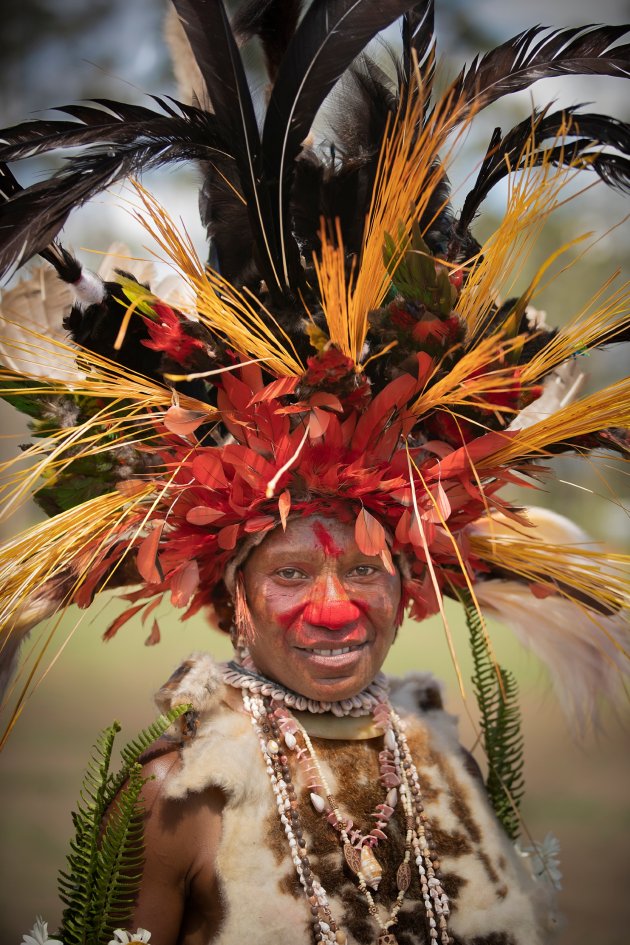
x=54 y=52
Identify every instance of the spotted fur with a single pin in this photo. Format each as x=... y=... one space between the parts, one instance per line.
x=493 y=900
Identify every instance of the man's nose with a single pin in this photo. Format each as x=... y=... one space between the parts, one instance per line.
x=333 y=613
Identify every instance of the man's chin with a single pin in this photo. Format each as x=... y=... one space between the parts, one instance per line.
x=332 y=688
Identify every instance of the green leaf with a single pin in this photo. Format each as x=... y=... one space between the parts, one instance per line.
x=29 y=404
x=496 y=691
x=104 y=864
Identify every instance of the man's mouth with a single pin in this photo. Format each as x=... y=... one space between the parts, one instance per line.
x=336 y=651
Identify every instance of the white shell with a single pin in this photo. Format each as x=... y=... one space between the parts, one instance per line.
x=390 y=739
x=370 y=867
x=290 y=740
x=392 y=797
x=318 y=802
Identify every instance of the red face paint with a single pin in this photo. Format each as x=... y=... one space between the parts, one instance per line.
x=325 y=540
x=328 y=607
x=332 y=614
x=287 y=618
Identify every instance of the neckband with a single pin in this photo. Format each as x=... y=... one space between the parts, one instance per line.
x=246 y=676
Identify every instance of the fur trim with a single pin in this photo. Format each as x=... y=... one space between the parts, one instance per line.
x=493 y=898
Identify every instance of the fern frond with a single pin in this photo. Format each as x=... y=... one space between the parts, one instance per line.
x=119 y=862
x=496 y=691
x=77 y=886
x=131 y=752
x=105 y=862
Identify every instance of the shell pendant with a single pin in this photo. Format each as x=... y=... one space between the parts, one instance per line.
x=370 y=867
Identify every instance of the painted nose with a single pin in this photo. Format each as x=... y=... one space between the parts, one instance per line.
x=332 y=614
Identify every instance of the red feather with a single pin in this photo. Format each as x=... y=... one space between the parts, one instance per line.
x=369 y=534
x=146 y=560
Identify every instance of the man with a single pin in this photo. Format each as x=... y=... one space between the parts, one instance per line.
x=219 y=868
x=317 y=445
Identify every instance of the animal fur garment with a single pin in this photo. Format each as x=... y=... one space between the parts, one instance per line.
x=493 y=899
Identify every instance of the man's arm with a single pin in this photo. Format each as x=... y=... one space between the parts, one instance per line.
x=177 y=901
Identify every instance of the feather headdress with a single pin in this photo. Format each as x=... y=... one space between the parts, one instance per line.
x=345 y=352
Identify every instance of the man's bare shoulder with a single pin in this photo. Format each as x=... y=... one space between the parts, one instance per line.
x=181 y=839
x=161 y=764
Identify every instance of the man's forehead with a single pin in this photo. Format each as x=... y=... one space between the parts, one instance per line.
x=317 y=534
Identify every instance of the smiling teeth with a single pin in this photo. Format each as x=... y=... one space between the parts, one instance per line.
x=339 y=652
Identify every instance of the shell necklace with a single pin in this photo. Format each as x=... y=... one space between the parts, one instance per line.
x=245 y=675
x=278 y=731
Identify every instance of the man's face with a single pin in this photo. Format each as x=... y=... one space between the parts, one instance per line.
x=324 y=614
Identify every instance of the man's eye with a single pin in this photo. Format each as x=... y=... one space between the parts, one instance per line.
x=290 y=574
x=363 y=570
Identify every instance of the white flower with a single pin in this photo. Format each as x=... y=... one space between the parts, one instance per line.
x=139 y=937
x=544 y=860
x=39 y=935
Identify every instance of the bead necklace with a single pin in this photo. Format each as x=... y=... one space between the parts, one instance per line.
x=316 y=785
x=245 y=675
x=396 y=764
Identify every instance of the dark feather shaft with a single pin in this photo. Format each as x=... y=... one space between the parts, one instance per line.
x=208 y=30
x=330 y=36
x=580 y=133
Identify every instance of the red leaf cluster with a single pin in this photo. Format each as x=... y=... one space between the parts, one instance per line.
x=316 y=454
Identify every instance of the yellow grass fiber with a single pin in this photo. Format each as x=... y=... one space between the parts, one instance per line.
x=609 y=407
x=235 y=316
x=601 y=576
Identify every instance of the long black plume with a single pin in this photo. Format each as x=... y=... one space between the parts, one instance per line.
x=31 y=218
x=539 y=53
x=109 y=122
x=274 y=22
x=211 y=39
x=330 y=36
x=587 y=130
x=67 y=266
x=418 y=38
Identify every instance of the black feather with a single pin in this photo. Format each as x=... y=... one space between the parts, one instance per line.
x=31 y=219
x=67 y=266
x=120 y=124
x=539 y=53
x=508 y=153
x=116 y=148
x=225 y=216
x=418 y=37
x=331 y=35
x=339 y=186
x=97 y=326
x=274 y=22
x=9 y=186
x=212 y=42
